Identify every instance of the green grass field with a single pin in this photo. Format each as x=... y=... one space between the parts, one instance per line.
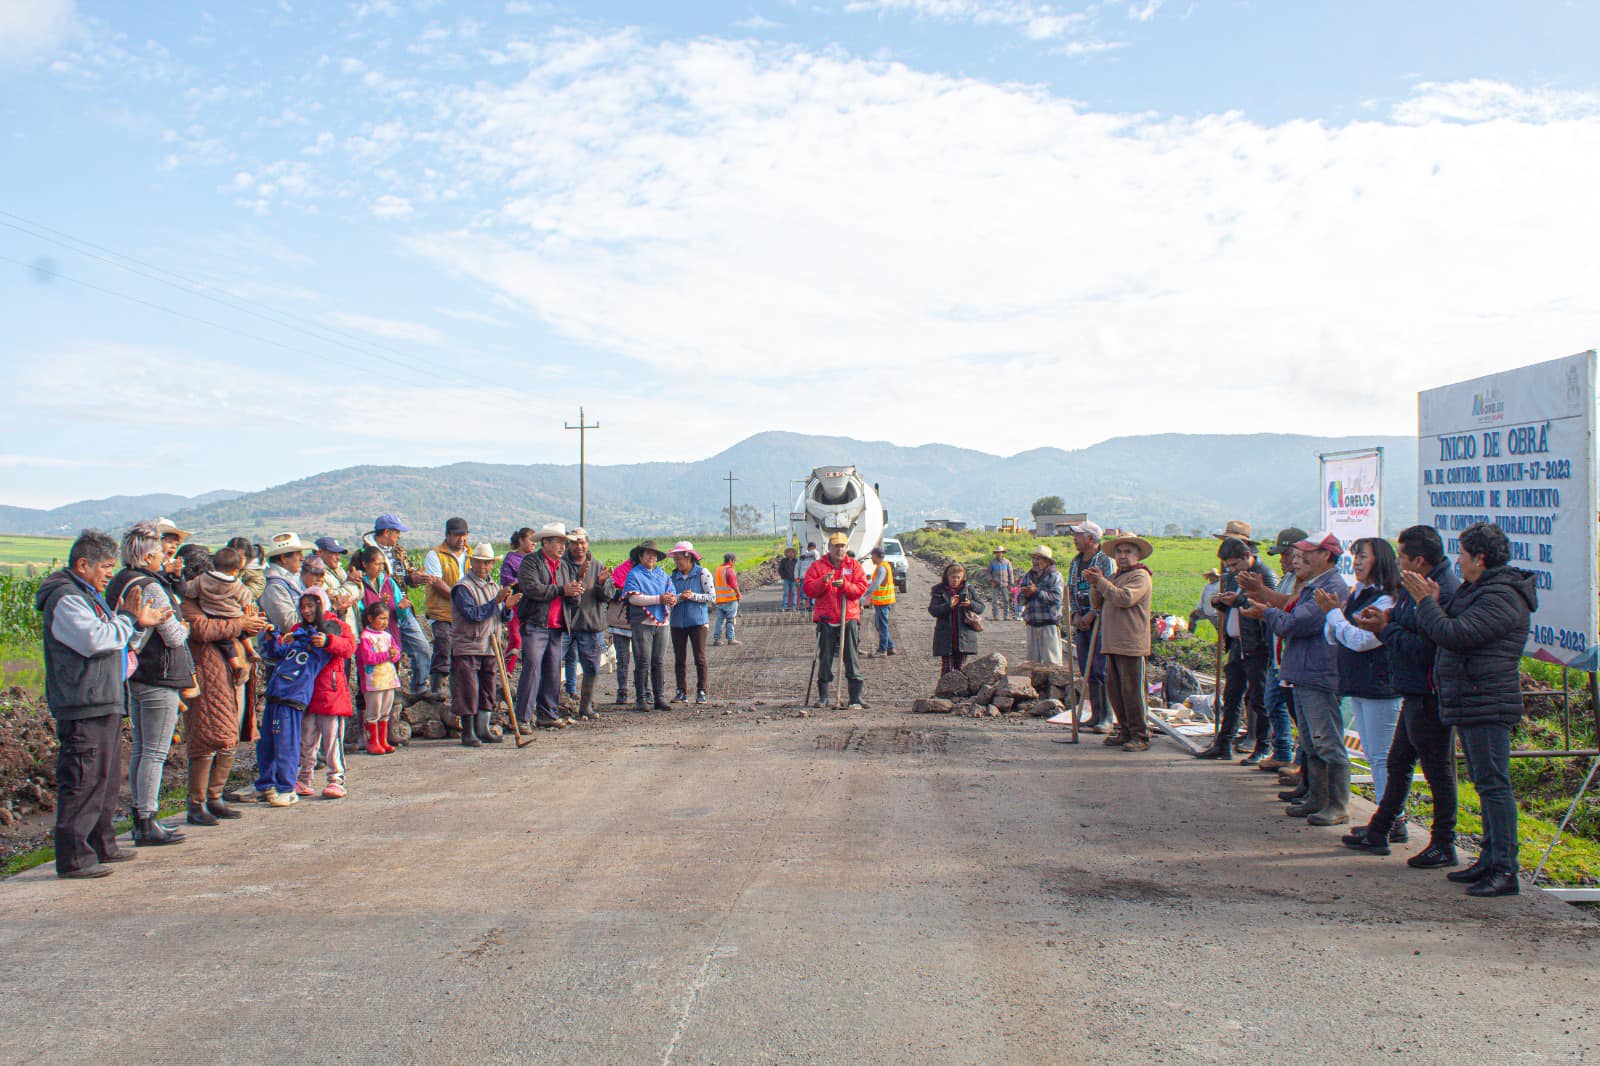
x=17 y=552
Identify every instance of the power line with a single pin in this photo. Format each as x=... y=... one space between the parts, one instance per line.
x=284 y=319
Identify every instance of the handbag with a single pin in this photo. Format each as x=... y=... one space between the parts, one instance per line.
x=973 y=621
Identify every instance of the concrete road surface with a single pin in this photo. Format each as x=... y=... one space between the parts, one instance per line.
x=743 y=885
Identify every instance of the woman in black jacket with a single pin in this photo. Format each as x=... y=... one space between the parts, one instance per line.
x=951 y=602
x=1480 y=635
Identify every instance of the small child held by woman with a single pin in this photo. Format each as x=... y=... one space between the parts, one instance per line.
x=380 y=680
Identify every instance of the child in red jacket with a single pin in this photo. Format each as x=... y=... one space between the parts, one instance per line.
x=322 y=727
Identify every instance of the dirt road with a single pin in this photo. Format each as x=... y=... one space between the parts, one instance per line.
x=748 y=886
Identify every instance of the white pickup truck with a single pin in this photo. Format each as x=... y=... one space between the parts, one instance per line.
x=895 y=556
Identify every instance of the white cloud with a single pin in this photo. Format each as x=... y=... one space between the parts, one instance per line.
x=462 y=315
x=1482 y=100
x=1038 y=20
x=1145 y=11
x=30 y=29
x=387 y=206
x=757 y=22
x=393 y=329
x=43 y=462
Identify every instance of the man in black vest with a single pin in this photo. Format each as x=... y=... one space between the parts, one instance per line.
x=1249 y=647
x=85 y=670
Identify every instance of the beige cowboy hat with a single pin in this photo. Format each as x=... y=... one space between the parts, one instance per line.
x=284 y=544
x=484 y=553
x=1212 y=575
x=168 y=528
x=1137 y=541
x=1042 y=551
x=1236 y=530
x=579 y=534
x=552 y=529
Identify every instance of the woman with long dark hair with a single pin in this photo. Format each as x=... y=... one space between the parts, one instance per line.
x=953 y=607
x=1363 y=660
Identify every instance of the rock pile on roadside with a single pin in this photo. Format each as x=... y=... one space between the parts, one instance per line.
x=990 y=687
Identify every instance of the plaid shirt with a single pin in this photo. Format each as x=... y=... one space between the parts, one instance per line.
x=1078 y=585
x=1043 y=608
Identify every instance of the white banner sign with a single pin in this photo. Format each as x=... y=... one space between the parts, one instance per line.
x=1351 y=486
x=1518 y=450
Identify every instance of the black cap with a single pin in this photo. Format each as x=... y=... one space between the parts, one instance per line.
x=455 y=525
x=1286 y=539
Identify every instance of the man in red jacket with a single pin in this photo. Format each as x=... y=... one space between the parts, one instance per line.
x=835 y=584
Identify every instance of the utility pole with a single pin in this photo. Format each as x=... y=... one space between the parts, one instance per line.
x=774 y=518
x=583 y=431
x=730 y=479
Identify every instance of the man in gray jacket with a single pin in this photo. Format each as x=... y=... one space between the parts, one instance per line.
x=85 y=669
x=1310 y=668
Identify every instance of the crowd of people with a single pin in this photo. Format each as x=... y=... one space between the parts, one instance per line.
x=285 y=644
x=314 y=636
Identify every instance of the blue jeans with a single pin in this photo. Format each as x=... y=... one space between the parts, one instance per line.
x=726 y=613
x=414 y=642
x=1488 y=748
x=1277 y=705
x=569 y=664
x=539 y=684
x=1375 y=721
x=585 y=649
x=791 y=593
x=880 y=619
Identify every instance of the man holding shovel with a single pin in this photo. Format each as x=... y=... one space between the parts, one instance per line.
x=835 y=584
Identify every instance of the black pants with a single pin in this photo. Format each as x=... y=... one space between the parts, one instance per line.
x=88 y=772
x=1244 y=681
x=472 y=686
x=1419 y=736
x=683 y=639
x=828 y=647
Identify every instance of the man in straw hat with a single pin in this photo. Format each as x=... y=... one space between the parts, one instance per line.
x=1003 y=576
x=835 y=584
x=481 y=607
x=1082 y=615
x=1123 y=600
x=1236 y=530
x=587 y=588
x=280 y=601
x=1042 y=590
x=543 y=620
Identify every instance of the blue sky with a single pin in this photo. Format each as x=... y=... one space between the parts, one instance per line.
x=412 y=231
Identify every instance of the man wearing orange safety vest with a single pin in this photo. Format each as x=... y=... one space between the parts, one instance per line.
x=726 y=580
x=880 y=594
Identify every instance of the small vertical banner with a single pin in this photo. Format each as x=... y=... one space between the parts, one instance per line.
x=1352 y=483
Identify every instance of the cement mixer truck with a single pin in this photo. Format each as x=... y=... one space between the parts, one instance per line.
x=838 y=500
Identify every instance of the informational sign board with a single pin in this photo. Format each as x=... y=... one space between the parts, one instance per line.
x=1517 y=449
x=1352 y=483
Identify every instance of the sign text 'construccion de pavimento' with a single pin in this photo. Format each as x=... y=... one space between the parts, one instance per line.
x=1517 y=450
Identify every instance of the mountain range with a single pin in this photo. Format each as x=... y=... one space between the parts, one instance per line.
x=1191 y=481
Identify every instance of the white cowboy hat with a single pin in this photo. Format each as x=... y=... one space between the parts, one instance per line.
x=283 y=544
x=1043 y=551
x=552 y=529
x=578 y=534
x=168 y=528
x=484 y=553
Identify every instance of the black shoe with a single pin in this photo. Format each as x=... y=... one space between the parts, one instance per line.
x=1294 y=795
x=1364 y=839
x=198 y=815
x=1496 y=883
x=1254 y=758
x=662 y=705
x=642 y=707
x=1398 y=833
x=221 y=809
x=85 y=872
x=551 y=723
x=1472 y=874
x=622 y=697
x=149 y=833
x=120 y=855
x=1216 y=751
x=1436 y=856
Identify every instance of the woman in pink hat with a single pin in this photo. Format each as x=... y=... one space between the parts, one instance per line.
x=691 y=618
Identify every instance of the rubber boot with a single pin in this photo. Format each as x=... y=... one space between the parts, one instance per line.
x=854 y=703
x=586 y=699
x=483 y=730
x=386 y=733
x=373 y=747
x=1316 y=791
x=1337 y=810
x=147 y=832
x=469 y=735
x=822 y=694
x=1100 y=700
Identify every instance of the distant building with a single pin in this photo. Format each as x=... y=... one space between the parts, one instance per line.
x=944 y=523
x=1055 y=525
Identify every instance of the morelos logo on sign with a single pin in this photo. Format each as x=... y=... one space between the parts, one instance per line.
x=1358 y=496
x=1488 y=406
